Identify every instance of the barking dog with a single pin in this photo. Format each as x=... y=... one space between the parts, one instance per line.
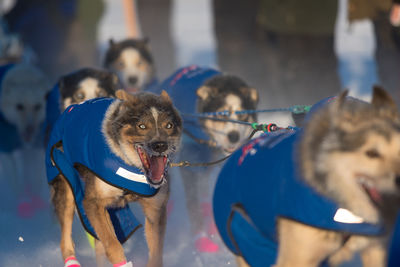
x=132 y=61
x=196 y=90
x=328 y=184
x=104 y=153
x=75 y=88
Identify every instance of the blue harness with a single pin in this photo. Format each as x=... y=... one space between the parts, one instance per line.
x=79 y=130
x=259 y=183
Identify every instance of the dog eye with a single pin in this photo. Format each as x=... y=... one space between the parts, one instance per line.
x=142 y=126
x=80 y=95
x=20 y=107
x=169 y=125
x=373 y=153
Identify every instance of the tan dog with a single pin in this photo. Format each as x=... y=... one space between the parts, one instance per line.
x=140 y=133
x=330 y=188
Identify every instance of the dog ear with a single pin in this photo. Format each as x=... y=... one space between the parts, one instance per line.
x=380 y=98
x=339 y=100
x=124 y=96
x=165 y=97
x=254 y=95
x=203 y=92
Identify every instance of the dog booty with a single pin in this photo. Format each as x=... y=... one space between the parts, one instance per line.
x=123 y=264
x=204 y=244
x=72 y=262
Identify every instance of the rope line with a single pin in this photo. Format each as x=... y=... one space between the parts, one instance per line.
x=271 y=127
x=296 y=109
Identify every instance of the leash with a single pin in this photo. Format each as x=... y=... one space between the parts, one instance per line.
x=266 y=128
x=296 y=109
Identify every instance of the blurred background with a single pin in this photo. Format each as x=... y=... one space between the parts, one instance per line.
x=292 y=51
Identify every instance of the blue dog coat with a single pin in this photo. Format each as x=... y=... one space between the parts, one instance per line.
x=79 y=130
x=259 y=183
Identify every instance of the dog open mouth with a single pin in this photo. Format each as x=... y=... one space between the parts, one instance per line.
x=155 y=166
x=369 y=187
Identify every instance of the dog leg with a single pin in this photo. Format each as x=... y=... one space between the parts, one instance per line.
x=63 y=201
x=304 y=246
x=155 y=210
x=100 y=253
x=374 y=256
x=101 y=222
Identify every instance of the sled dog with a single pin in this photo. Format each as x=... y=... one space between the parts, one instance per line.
x=105 y=153
x=132 y=61
x=196 y=90
x=317 y=195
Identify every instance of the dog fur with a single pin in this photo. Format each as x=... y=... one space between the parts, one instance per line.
x=349 y=152
x=132 y=61
x=135 y=125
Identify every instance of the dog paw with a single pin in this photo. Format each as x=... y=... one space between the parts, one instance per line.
x=205 y=245
x=72 y=262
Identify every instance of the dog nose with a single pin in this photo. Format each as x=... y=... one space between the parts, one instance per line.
x=159 y=146
x=132 y=79
x=233 y=136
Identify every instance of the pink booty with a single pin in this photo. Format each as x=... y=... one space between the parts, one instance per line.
x=71 y=262
x=204 y=244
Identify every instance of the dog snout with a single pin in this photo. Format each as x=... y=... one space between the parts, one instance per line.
x=159 y=146
x=132 y=80
x=233 y=136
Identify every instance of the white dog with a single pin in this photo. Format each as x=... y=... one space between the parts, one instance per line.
x=23 y=92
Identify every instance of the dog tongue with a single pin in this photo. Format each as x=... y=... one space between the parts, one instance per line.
x=157 y=167
x=375 y=195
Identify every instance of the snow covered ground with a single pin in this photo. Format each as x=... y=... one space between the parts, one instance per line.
x=34 y=241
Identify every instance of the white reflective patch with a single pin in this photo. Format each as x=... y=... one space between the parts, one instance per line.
x=346 y=216
x=131 y=175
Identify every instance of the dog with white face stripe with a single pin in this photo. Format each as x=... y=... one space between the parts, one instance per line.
x=227 y=93
x=139 y=133
x=132 y=61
